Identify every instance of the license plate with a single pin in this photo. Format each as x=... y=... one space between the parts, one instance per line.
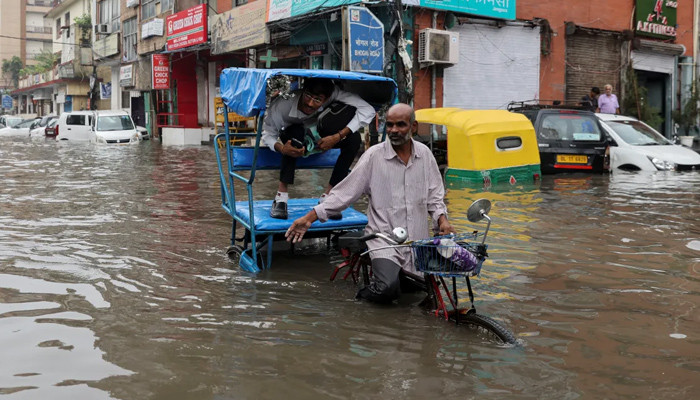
x=572 y=159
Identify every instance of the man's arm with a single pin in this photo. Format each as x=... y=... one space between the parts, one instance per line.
x=340 y=197
x=364 y=114
x=436 y=199
x=271 y=128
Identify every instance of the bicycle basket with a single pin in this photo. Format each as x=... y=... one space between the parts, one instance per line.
x=449 y=256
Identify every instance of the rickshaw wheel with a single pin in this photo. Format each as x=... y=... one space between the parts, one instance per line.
x=234 y=253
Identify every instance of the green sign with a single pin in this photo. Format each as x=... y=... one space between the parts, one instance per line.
x=503 y=9
x=281 y=9
x=656 y=18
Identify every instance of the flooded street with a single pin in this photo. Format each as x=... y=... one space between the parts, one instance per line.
x=114 y=284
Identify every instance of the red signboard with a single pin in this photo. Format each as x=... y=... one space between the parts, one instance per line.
x=187 y=28
x=161 y=71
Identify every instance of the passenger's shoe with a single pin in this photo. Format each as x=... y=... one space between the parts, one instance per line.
x=279 y=210
x=331 y=215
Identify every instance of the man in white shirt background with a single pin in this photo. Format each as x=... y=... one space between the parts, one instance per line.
x=284 y=130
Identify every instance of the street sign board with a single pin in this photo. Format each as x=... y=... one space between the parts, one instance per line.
x=365 y=40
x=6 y=101
x=656 y=18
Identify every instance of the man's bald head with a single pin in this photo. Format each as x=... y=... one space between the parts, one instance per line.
x=402 y=111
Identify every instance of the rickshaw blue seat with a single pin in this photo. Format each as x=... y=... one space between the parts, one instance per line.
x=267 y=159
x=296 y=208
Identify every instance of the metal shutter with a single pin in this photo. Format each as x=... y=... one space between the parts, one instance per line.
x=592 y=59
x=496 y=66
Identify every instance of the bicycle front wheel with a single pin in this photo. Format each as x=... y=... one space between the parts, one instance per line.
x=489 y=325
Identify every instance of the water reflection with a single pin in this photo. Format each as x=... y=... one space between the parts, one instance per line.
x=113 y=284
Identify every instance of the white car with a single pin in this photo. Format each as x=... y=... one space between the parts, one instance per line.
x=115 y=127
x=637 y=146
x=75 y=126
x=20 y=129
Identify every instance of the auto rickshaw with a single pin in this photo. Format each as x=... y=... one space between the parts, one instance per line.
x=486 y=146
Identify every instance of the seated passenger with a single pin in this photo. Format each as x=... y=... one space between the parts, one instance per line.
x=286 y=123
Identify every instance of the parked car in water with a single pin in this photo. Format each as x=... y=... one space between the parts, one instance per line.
x=115 y=127
x=143 y=133
x=9 y=120
x=20 y=129
x=38 y=129
x=637 y=146
x=75 y=126
x=52 y=128
x=570 y=139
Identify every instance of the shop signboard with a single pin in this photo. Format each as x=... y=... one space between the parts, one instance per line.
x=105 y=91
x=126 y=75
x=153 y=27
x=187 y=28
x=240 y=28
x=365 y=41
x=502 y=9
x=656 y=18
x=161 y=71
x=281 y=9
x=316 y=49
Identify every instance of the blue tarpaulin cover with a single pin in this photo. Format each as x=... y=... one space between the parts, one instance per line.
x=243 y=89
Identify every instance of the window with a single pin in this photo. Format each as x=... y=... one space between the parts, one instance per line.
x=241 y=2
x=148 y=9
x=509 y=142
x=66 y=23
x=130 y=39
x=166 y=5
x=109 y=14
x=74 y=119
x=114 y=123
x=126 y=99
x=58 y=28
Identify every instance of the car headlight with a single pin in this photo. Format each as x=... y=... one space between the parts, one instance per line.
x=135 y=137
x=662 y=165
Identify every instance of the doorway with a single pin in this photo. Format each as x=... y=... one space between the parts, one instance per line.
x=655 y=83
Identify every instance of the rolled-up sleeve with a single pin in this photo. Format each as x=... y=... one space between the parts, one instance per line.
x=364 y=114
x=348 y=190
x=271 y=127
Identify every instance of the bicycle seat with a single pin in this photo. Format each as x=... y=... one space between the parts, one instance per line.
x=351 y=241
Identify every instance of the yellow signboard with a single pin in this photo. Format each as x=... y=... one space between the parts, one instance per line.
x=232 y=116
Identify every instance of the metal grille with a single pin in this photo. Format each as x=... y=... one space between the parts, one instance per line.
x=592 y=59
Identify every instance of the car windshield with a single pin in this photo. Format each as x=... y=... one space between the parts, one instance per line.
x=114 y=123
x=24 y=124
x=571 y=127
x=637 y=133
x=12 y=122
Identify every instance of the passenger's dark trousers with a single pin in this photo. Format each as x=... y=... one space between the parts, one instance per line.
x=348 y=150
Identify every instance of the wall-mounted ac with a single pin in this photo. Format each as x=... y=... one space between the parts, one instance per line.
x=132 y=3
x=436 y=46
x=102 y=29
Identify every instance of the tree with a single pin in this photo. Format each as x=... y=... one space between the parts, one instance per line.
x=11 y=69
x=686 y=117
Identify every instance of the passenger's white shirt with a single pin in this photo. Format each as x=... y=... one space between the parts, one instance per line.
x=285 y=112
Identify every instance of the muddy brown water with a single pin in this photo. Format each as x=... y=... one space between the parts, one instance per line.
x=113 y=284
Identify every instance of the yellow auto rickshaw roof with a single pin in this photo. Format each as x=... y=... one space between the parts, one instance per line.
x=474 y=122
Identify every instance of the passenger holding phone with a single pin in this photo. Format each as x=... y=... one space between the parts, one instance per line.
x=285 y=128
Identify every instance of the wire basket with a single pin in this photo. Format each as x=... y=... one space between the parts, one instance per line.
x=449 y=256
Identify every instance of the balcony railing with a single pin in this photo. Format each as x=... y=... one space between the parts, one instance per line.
x=39 y=29
x=42 y=3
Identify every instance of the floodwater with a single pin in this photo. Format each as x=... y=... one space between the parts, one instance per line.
x=114 y=284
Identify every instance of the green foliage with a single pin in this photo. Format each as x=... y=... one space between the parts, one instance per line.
x=46 y=60
x=686 y=117
x=635 y=102
x=11 y=69
x=84 y=22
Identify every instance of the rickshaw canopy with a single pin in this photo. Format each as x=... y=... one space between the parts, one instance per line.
x=243 y=90
x=485 y=140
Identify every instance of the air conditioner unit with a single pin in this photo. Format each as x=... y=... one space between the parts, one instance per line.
x=102 y=29
x=436 y=46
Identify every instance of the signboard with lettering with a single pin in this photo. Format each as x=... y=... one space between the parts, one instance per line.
x=656 y=18
x=6 y=101
x=153 y=27
x=281 y=9
x=187 y=28
x=316 y=49
x=240 y=28
x=503 y=9
x=161 y=71
x=126 y=75
x=365 y=41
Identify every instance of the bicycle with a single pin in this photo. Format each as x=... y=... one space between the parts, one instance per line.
x=436 y=258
